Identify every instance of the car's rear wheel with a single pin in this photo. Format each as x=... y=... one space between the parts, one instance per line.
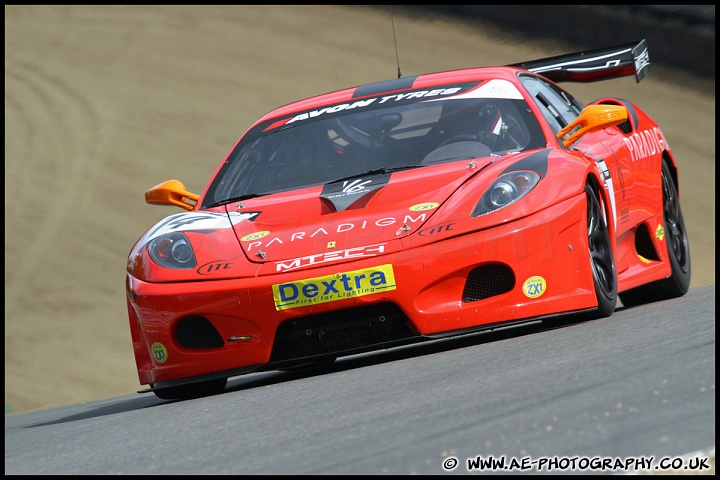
x=192 y=390
x=602 y=261
x=678 y=245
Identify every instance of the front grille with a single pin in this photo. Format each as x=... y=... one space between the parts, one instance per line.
x=341 y=330
x=197 y=332
x=487 y=281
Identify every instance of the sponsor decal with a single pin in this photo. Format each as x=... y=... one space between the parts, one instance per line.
x=424 y=206
x=353 y=187
x=159 y=352
x=357 y=252
x=660 y=232
x=604 y=172
x=331 y=288
x=436 y=229
x=237 y=217
x=255 y=236
x=214 y=267
x=339 y=228
x=646 y=143
x=608 y=116
x=643 y=259
x=202 y=222
x=345 y=193
x=370 y=101
x=642 y=60
x=534 y=286
x=331 y=245
x=491 y=89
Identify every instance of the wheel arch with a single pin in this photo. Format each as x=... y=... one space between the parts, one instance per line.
x=593 y=179
x=667 y=156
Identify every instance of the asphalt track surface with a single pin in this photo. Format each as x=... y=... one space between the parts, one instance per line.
x=103 y=102
x=638 y=386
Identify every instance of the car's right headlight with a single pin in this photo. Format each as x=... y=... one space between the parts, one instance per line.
x=172 y=250
x=506 y=189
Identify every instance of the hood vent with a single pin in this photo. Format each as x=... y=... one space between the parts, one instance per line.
x=353 y=193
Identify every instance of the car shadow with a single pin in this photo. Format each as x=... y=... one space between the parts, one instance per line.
x=263 y=379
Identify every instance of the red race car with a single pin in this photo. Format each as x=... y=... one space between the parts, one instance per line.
x=405 y=210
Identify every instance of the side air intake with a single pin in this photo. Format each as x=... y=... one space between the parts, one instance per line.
x=487 y=281
x=197 y=332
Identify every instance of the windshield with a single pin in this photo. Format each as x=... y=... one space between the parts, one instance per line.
x=374 y=135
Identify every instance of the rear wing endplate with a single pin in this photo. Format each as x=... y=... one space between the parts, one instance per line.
x=594 y=65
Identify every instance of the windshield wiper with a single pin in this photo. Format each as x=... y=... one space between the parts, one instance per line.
x=236 y=199
x=375 y=171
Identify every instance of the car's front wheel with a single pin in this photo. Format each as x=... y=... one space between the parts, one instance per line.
x=602 y=261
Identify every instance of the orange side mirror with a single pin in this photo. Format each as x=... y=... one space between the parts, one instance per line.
x=172 y=192
x=592 y=119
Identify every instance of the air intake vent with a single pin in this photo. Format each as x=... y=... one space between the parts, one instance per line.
x=337 y=331
x=625 y=127
x=197 y=332
x=488 y=281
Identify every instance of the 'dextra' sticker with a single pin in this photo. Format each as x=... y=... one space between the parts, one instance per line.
x=331 y=288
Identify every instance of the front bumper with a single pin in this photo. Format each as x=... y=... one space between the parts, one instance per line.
x=532 y=267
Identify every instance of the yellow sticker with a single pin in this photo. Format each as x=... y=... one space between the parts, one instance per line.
x=534 y=286
x=255 y=236
x=660 y=232
x=159 y=352
x=424 y=206
x=643 y=259
x=331 y=288
x=331 y=245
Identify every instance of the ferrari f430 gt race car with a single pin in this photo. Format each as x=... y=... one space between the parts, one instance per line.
x=405 y=210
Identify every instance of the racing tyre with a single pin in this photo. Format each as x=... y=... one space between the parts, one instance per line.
x=676 y=238
x=602 y=261
x=192 y=390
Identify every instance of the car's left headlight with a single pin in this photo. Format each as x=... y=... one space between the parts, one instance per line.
x=172 y=250
x=506 y=189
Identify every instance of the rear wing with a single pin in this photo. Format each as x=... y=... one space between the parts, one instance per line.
x=594 y=65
